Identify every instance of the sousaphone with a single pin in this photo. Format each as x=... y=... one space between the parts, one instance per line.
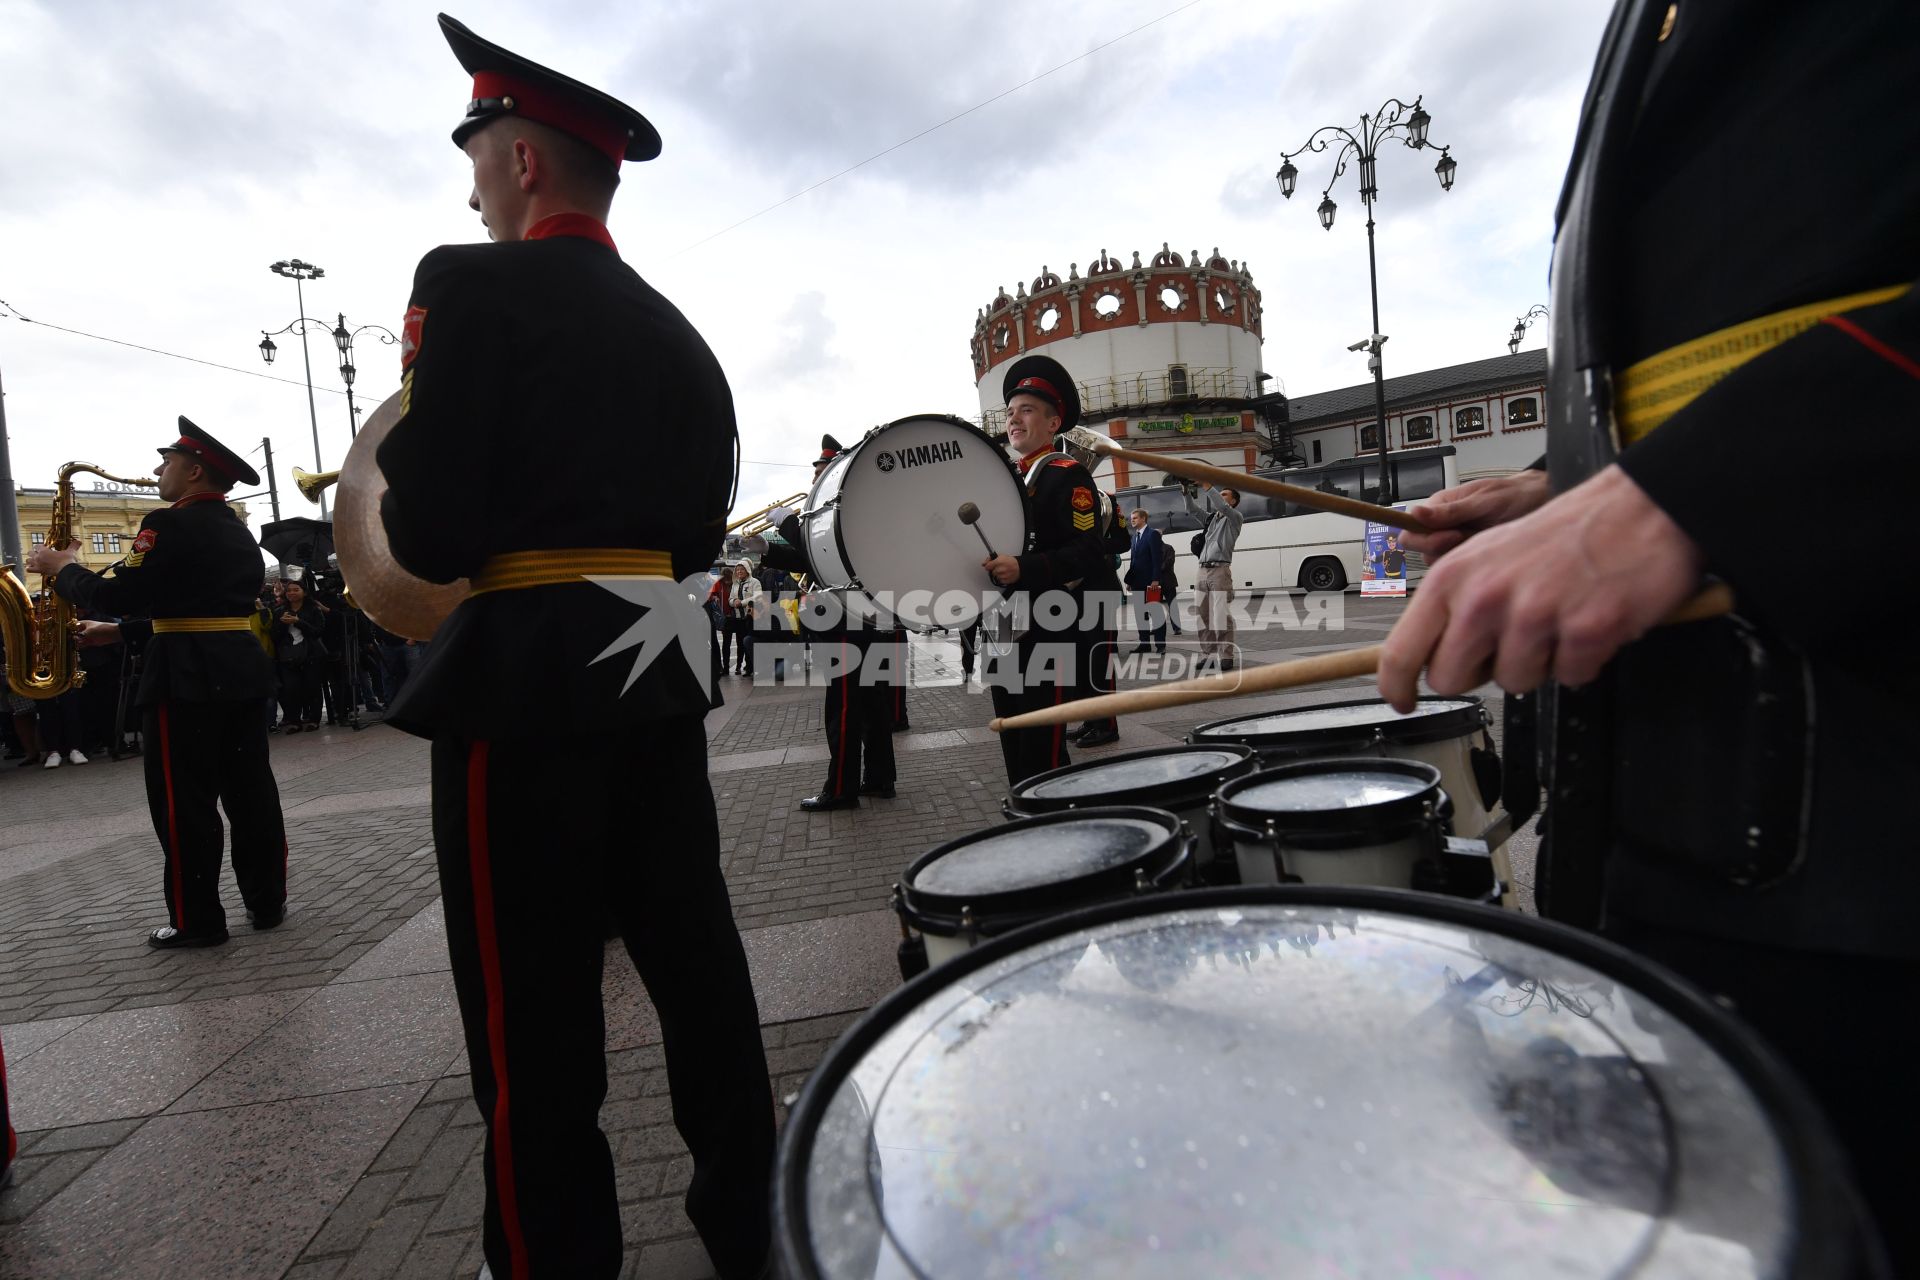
x=410 y=607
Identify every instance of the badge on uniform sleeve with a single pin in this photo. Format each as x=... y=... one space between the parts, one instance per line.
x=144 y=543
x=1082 y=503
x=410 y=335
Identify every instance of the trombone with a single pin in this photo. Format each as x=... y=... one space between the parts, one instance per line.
x=756 y=519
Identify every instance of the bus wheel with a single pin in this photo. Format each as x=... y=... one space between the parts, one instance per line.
x=1323 y=574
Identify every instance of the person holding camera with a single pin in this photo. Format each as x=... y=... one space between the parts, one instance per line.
x=299 y=650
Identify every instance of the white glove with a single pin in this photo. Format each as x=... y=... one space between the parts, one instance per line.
x=778 y=515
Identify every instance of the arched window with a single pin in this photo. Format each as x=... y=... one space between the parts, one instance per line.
x=1177 y=388
x=1420 y=429
x=1525 y=409
x=1468 y=422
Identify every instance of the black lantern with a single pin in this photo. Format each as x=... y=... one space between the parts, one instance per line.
x=1417 y=125
x=1286 y=176
x=1513 y=343
x=1445 y=171
x=1366 y=176
x=346 y=373
x=341 y=338
x=267 y=349
x=1327 y=207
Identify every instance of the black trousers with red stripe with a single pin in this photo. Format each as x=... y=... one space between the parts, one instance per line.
x=858 y=717
x=9 y=1141
x=531 y=848
x=1043 y=670
x=201 y=757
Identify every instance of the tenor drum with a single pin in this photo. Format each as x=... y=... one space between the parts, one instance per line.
x=1181 y=780
x=1301 y=1081
x=882 y=521
x=1384 y=823
x=990 y=882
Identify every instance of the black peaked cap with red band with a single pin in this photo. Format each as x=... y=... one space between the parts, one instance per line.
x=1045 y=377
x=829 y=450
x=506 y=84
x=221 y=462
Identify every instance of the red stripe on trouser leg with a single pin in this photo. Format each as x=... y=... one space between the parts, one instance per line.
x=7 y=1138
x=500 y=1123
x=173 y=825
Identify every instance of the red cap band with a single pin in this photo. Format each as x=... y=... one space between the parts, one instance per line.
x=191 y=447
x=1042 y=388
x=565 y=114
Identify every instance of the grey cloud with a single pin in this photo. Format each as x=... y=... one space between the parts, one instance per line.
x=805 y=333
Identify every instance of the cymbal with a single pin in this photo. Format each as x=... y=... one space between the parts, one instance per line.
x=405 y=605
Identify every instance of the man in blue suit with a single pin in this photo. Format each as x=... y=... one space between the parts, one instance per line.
x=1143 y=573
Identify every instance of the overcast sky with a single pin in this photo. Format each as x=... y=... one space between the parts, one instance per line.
x=160 y=156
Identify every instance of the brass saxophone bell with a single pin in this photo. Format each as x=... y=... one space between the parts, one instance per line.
x=311 y=483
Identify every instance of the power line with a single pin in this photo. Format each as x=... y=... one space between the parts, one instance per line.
x=14 y=314
x=960 y=115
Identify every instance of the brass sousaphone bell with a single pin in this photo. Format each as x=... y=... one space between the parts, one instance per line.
x=409 y=607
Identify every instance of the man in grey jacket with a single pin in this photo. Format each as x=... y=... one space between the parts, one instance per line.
x=1220 y=514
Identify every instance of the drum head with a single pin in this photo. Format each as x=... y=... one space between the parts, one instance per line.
x=1154 y=775
x=1303 y=1082
x=1342 y=726
x=897 y=525
x=1344 y=794
x=1054 y=857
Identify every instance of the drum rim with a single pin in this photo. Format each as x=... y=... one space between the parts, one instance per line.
x=1432 y=728
x=1389 y=817
x=1826 y=1233
x=1021 y=803
x=1167 y=857
x=839 y=531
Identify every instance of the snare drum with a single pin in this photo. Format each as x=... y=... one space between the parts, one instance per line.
x=882 y=520
x=1178 y=1086
x=1181 y=780
x=1445 y=732
x=990 y=882
x=1350 y=821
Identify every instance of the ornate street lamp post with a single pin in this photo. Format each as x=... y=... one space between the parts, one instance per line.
x=1394 y=119
x=1523 y=323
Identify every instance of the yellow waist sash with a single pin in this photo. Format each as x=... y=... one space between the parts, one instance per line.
x=517 y=570
x=166 y=626
x=1653 y=390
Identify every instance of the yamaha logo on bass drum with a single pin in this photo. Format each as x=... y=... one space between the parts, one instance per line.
x=918 y=455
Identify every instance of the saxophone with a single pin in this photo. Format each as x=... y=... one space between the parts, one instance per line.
x=43 y=645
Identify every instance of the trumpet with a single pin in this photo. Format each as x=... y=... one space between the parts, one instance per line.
x=312 y=483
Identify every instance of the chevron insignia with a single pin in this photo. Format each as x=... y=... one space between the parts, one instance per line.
x=1083 y=523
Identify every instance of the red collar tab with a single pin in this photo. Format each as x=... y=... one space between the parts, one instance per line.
x=198 y=452
x=1042 y=388
x=569 y=115
x=1028 y=460
x=200 y=497
x=571 y=224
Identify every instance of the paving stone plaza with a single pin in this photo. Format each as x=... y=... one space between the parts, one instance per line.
x=296 y=1103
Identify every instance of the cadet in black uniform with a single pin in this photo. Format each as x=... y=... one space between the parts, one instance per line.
x=860 y=706
x=541 y=374
x=1718 y=794
x=187 y=590
x=1064 y=552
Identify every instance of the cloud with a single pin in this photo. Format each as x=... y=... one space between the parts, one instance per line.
x=801 y=346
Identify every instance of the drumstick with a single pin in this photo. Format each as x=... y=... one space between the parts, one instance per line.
x=1710 y=603
x=970 y=516
x=1246 y=482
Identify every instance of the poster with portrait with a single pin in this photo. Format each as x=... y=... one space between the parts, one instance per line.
x=1383 y=566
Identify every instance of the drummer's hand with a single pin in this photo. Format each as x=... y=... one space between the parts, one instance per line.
x=1004 y=570
x=1464 y=510
x=1557 y=592
x=97 y=633
x=45 y=560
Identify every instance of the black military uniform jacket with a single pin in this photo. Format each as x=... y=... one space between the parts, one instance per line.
x=836 y=624
x=1065 y=550
x=195 y=559
x=1677 y=220
x=551 y=399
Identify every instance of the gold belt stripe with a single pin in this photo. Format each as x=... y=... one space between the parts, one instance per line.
x=165 y=626
x=517 y=570
x=1653 y=390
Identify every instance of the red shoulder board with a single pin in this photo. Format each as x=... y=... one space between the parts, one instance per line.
x=411 y=332
x=1063 y=462
x=144 y=543
x=1082 y=498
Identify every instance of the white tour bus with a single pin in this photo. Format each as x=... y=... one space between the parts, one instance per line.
x=1285 y=546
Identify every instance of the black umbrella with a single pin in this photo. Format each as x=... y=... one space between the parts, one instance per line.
x=301 y=541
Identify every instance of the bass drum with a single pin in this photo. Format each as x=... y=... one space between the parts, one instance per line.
x=882 y=521
x=1305 y=1081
